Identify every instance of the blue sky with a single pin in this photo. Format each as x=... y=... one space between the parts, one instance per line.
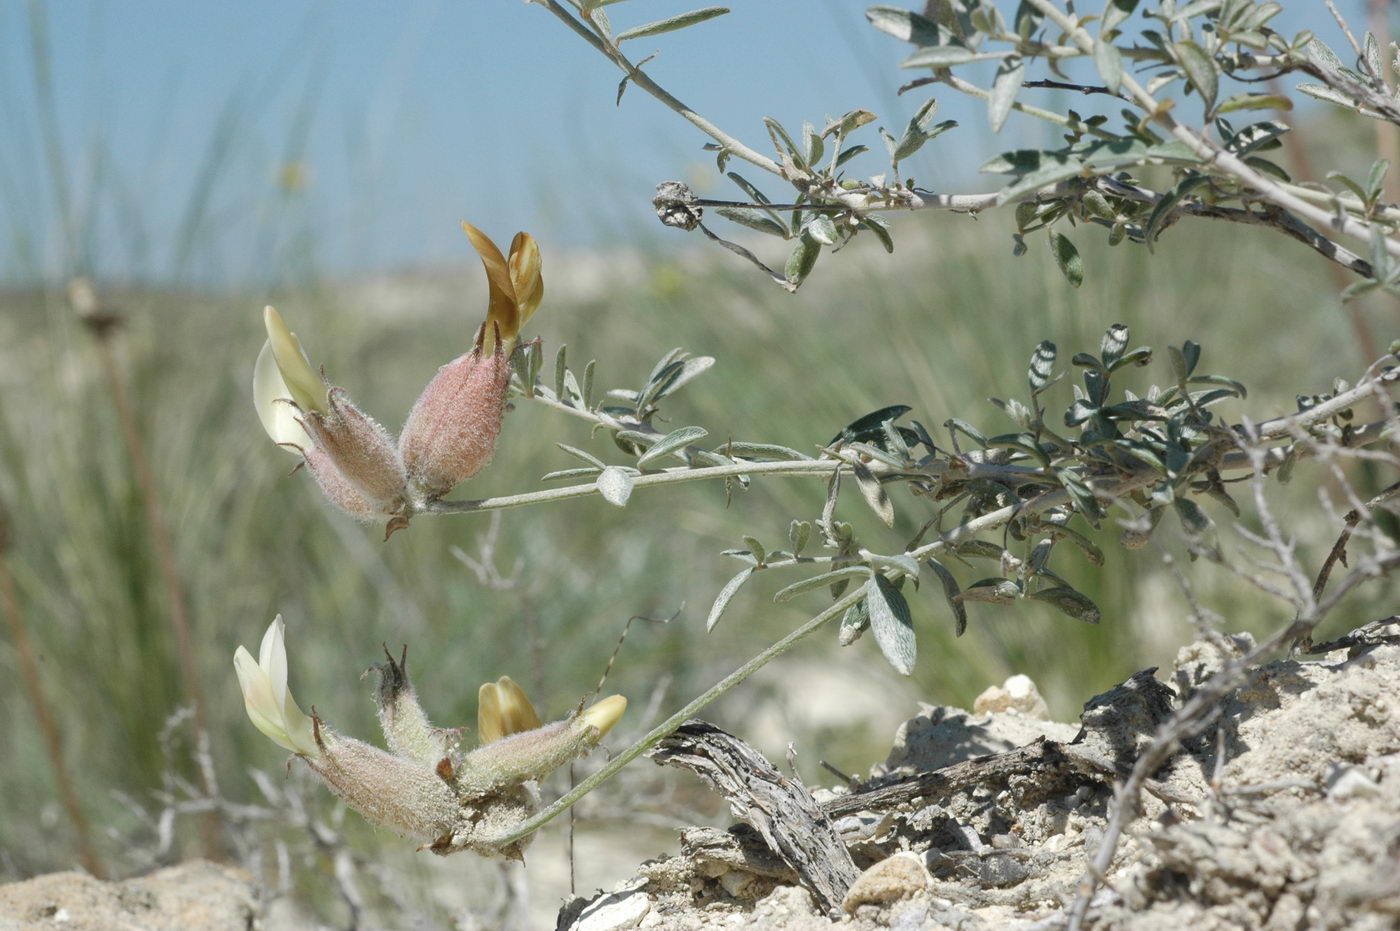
x=177 y=121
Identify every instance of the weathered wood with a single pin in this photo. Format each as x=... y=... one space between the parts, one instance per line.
x=780 y=808
x=1053 y=762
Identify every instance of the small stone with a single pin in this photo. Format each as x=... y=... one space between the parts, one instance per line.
x=1352 y=784
x=890 y=880
x=1018 y=694
x=620 y=911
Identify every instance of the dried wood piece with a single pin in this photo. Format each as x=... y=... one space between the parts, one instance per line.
x=780 y=808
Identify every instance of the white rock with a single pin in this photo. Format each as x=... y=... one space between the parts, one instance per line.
x=620 y=911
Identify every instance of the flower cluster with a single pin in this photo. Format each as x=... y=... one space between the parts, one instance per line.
x=451 y=432
x=426 y=786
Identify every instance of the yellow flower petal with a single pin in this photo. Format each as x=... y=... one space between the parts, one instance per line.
x=525 y=275
x=502 y=312
x=604 y=714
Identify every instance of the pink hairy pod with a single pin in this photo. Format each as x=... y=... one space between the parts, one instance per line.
x=452 y=430
x=362 y=452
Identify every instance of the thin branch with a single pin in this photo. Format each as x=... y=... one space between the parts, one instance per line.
x=640 y=79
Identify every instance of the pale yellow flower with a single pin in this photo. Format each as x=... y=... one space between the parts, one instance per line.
x=266 y=697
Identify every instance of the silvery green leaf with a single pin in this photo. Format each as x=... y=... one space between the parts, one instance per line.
x=753 y=219
x=979 y=549
x=676 y=439
x=782 y=139
x=904 y=25
x=585 y=456
x=1254 y=102
x=802 y=260
x=1087 y=546
x=1320 y=53
x=1071 y=602
x=560 y=367
x=1200 y=70
x=1229 y=383
x=854 y=623
x=1375 y=179
x=615 y=485
x=1067 y=257
x=588 y=383
x=1042 y=366
x=992 y=591
x=664 y=363
x=895 y=442
x=904 y=564
x=762 y=451
x=870 y=426
x=812 y=583
x=849 y=153
x=873 y=493
x=827 y=524
x=950 y=593
x=562 y=474
x=674 y=377
x=799 y=532
x=573 y=395
x=1109 y=61
x=1004 y=90
x=848 y=123
x=726 y=594
x=939 y=56
x=1050 y=170
x=813 y=144
x=1115 y=12
x=672 y=23
x=823 y=230
x=1115 y=340
x=1192 y=517
x=878 y=226
x=962 y=426
x=892 y=624
x=744 y=556
x=1373 y=58
x=600 y=19
x=755 y=547
x=1140 y=356
x=916 y=133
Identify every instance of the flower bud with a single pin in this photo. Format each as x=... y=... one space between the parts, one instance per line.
x=503 y=709
x=535 y=753
x=451 y=433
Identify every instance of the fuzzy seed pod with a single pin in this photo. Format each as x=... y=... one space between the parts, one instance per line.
x=451 y=432
x=361 y=451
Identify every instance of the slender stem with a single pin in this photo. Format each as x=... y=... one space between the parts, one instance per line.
x=821 y=467
x=679 y=718
x=643 y=81
x=43 y=714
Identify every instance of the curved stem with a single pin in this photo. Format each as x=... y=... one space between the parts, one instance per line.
x=677 y=719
